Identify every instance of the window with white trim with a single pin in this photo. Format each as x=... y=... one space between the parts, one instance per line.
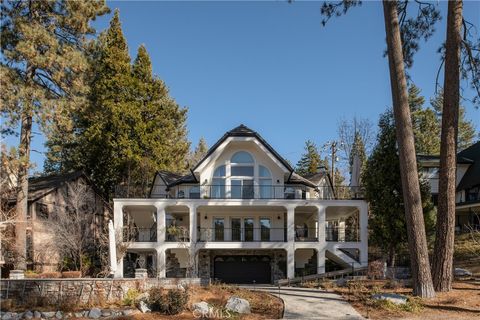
x=242 y=168
x=265 y=182
x=218 y=182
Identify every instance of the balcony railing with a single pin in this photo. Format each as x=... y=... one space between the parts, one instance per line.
x=135 y=234
x=289 y=192
x=243 y=235
x=342 y=234
x=177 y=234
x=332 y=234
x=306 y=234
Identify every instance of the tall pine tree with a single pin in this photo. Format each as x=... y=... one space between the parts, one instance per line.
x=310 y=160
x=41 y=75
x=131 y=127
x=199 y=152
x=383 y=191
x=466 y=128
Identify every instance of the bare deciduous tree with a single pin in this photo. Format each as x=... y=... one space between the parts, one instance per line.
x=348 y=128
x=74 y=225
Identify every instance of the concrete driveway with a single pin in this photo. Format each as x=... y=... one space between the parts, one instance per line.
x=305 y=303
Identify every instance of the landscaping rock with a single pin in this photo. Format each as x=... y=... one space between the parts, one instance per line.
x=78 y=314
x=59 y=315
x=127 y=312
x=201 y=308
x=238 y=305
x=142 y=306
x=8 y=316
x=342 y=282
x=48 y=315
x=180 y=287
x=95 y=313
x=37 y=314
x=28 y=315
x=106 y=313
x=392 y=297
x=459 y=272
x=142 y=297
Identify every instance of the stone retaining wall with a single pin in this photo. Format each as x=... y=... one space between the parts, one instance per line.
x=84 y=291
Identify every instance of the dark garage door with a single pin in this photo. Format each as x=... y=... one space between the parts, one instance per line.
x=242 y=269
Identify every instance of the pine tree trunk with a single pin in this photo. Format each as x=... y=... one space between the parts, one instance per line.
x=22 y=189
x=417 y=242
x=445 y=231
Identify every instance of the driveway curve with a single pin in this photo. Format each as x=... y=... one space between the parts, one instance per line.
x=306 y=303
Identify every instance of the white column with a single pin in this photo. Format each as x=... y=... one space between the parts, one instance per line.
x=117 y=215
x=321 y=218
x=193 y=223
x=161 y=263
x=193 y=238
x=321 y=260
x=161 y=228
x=291 y=224
x=290 y=261
x=341 y=231
x=119 y=270
x=363 y=213
x=118 y=226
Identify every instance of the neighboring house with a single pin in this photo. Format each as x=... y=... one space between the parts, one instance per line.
x=467 y=212
x=241 y=215
x=52 y=196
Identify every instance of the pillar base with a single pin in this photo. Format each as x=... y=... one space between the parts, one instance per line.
x=17 y=274
x=141 y=274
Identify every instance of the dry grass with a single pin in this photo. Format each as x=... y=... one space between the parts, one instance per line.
x=262 y=304
x=463 y=302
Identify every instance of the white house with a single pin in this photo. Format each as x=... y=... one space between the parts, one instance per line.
x=467 y=198
x=242 y=215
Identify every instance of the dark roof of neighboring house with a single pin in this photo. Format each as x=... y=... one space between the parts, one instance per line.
x=43 y=185
x=426 y=157
x=298 y=179
x=172 y=179
x=244 y=131
x=472 y=176
x=315 y=177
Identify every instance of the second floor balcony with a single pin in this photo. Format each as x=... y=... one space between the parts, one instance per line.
x=248 y=190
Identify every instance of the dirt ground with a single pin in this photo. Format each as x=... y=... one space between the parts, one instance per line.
x=463 y=302
x=263 y=305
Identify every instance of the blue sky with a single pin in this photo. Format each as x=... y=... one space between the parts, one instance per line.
x=271 y=66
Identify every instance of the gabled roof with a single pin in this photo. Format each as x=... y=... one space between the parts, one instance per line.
x=472 y=176
x=172 y=179
x=244 y=131
x=298 y=179
x=43 y=185
x=315 y=177
x=436 y=158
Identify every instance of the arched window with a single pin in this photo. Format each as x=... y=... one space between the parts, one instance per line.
x=242 y=173
x=265 y=182
x=194 y=192
x=218 y=183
